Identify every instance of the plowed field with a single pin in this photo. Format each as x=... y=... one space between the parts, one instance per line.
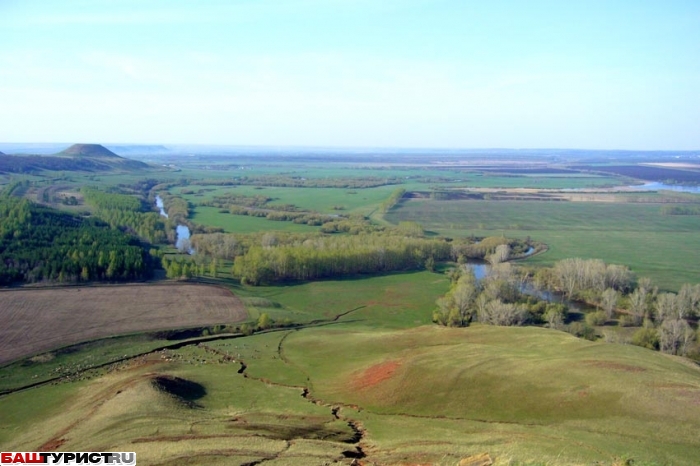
x=38 y=320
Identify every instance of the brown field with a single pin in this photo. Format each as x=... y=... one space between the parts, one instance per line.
x=38 y=320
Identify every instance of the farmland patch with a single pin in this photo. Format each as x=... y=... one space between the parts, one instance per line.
x=37 y=320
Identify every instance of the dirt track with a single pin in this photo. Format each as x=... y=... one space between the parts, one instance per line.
x=37 y=320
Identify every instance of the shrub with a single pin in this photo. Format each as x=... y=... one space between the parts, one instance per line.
x=595 y=319
x=582 y=331
x=646 y=337
x=627 y=321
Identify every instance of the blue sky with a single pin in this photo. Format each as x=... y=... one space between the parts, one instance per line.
x=357 y=73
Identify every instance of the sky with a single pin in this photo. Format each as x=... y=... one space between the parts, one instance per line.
x=611 y=74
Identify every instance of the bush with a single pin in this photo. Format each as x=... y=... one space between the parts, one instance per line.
x=646 y=337
x=595 y=319
x=582 y=331
x=627 y=321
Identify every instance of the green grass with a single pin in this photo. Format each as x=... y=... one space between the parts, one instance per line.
x=663 y=247
x=23 y=409
x=491 y=389
x=244 y=224
x=548 y=181
x=74 y=358
x=314 y=199
x=393 y=301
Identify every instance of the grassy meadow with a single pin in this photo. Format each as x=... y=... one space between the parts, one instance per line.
x=665 y=248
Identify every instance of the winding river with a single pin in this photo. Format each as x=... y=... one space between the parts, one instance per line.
x=182 y=231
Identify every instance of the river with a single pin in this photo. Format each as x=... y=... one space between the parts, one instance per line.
x=656 y=186
x=481 y=271
x=182 y=231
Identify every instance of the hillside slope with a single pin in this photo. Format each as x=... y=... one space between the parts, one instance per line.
x=427 y=395
x=528 y=393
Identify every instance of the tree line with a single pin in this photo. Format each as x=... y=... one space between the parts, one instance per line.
x=336 y=256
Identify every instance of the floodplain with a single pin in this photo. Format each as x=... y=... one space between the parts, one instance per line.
x=352 y=369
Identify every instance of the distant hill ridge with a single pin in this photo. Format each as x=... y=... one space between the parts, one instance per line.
x=88 y=150
x=78 y=157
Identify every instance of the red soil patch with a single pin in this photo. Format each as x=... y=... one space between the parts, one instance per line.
x=375 y=375
x=52 y=445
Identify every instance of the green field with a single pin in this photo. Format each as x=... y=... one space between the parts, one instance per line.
x=314 y=199
x=543 y=181
x=663 y=247
x=392 y=301
x=210 y=216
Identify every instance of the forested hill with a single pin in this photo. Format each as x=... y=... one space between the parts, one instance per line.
x=38 y=243
x=78 y=157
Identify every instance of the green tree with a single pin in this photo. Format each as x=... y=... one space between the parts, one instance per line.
x=264 y=321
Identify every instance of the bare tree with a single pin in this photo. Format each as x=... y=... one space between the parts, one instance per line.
x=618 y=277
x=609 y=302
x=268 y=240
x=675 y=336
x=688 y=301
x=638 y=305
x=500 y=255
x=645 y=285
x=481 y=305
x=569 y=273
x=217 y=245
x=594 y=275
x=500 y=313
x=666 y=306
x=555 y=318
x=184 y=245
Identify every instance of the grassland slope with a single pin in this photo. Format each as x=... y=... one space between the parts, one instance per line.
x=528 y=393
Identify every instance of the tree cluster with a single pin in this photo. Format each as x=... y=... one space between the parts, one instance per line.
x=497 y=299
x=38 y=243
x=126 y=211
x=336 y=256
